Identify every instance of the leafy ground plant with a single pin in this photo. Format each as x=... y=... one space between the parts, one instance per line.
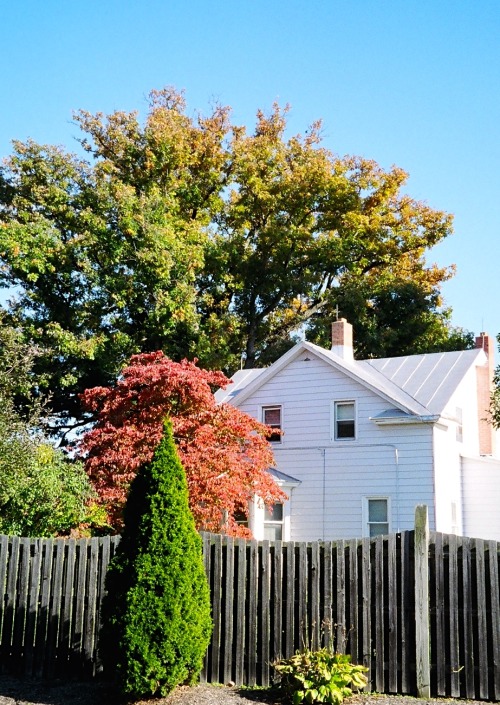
x=319 y=676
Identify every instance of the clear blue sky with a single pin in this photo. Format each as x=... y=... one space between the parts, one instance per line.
x=409 y=82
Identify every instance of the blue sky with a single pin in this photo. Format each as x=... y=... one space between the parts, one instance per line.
x=412 y=83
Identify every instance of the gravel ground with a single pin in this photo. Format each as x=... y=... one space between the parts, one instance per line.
x=25 y=692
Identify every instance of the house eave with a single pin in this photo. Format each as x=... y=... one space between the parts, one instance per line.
x=405 y=420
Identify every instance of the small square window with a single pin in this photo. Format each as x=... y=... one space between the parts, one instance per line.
x=271 y=416
x=345 y=425
x=378 y=516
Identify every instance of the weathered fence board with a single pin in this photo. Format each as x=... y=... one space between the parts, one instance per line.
x=366 y=655
x=453 y=618
x=494 y=593
x=277 y=602
x=379 y=615
x=228 y=611
x=327 y=620
x=270 y=599
x=51 y=592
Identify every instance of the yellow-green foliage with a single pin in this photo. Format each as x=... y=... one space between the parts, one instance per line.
x=319 y=676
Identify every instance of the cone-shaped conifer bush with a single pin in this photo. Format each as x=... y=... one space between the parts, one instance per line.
x=156 y=617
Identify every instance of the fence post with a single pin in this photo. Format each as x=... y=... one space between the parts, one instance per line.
x=422 y=633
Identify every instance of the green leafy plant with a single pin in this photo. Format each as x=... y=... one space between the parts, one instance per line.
x=319 y=676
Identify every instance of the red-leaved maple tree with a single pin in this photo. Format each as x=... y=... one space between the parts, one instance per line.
x=224 y=451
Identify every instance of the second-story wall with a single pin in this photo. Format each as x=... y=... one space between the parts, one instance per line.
x=338 y=477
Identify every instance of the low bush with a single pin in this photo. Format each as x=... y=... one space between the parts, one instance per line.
x=319 y=676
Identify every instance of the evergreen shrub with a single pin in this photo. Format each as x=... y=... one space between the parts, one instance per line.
x=156 y=616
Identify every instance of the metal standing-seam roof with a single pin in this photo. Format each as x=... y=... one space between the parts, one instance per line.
x=431 y=378
x=420 y=385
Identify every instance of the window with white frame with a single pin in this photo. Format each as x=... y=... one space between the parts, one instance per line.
x=273 y=522
x=344 y=420
x=376 y=513
x=272 y=416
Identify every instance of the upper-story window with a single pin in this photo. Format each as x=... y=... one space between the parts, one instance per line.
x=272 y=416
x=344 y=420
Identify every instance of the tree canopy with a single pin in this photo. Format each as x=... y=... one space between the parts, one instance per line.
x=189 y=234
x=224 y=451
x=42 y=493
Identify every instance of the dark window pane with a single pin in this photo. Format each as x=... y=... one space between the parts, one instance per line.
x=241 y=519
x=274 y=513
x=345 y=429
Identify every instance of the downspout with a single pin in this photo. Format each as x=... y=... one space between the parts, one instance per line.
x=324 y=491
x=323 y=449
x=396 y=466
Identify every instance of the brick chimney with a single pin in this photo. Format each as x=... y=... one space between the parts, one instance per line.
x=342 y=339
x=484 y=388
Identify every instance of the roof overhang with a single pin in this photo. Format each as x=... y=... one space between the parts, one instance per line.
x=404 y=419
x=282 y=479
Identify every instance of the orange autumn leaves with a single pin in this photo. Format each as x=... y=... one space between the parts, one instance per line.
x=224 y=451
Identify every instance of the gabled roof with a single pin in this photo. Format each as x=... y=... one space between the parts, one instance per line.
x=430 y=379
x=240 y=380
x=418 y=385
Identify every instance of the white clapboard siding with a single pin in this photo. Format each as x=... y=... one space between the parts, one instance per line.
x=447 y=480
x=481 y=483
x=337 y=476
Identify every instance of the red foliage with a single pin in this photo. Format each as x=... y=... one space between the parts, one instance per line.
x=224 y=451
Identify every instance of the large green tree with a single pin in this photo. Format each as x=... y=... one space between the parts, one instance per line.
x=192 y=235
x=394 y=315
x=105 y=251
x=303 y=234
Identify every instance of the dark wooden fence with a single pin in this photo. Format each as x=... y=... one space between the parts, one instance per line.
x=51 y=592
x=359 y=596
x=362 y=596
x=271 y=599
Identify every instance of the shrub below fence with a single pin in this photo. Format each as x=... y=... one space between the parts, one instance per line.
x=269 y=599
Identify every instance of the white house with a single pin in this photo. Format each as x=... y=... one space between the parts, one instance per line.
x=364 y=441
